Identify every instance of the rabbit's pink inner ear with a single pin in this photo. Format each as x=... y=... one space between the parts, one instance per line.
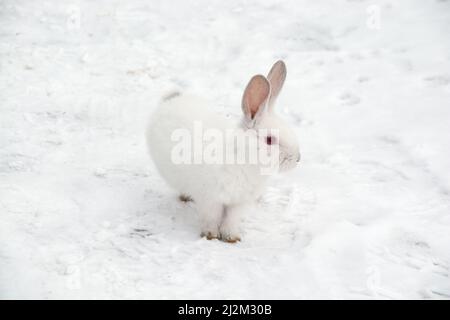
x=255 y=96
x=276 y=77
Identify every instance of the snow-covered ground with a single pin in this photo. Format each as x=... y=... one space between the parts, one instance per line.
x=84 y=214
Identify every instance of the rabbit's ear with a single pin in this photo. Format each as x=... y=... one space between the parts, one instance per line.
x=276 y=77
x=255 y=97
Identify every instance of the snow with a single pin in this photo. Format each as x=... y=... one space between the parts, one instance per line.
x=84 y=214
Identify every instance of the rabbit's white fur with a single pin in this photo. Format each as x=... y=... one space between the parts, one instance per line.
x=221 y=192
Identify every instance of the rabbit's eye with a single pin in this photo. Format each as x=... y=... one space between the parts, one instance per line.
x=270 y=140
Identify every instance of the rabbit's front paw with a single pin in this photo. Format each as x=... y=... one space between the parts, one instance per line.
x=230 y=238
x=210 y=235
x=229 y=234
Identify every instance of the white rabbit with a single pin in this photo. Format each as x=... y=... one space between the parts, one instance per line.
x=222 y=192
